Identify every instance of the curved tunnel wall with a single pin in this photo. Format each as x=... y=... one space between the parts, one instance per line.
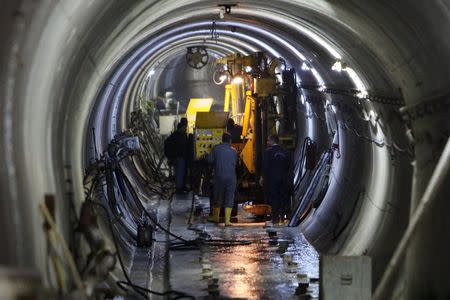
x=58 y=56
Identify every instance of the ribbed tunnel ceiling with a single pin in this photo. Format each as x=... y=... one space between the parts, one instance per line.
x=268 y=31
x=70 y=66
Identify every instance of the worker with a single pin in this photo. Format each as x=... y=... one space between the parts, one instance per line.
x=180 y=149
x=223 y=158
x=276 y=178
x=234 y=130
x=189 y=156
x=184 y=122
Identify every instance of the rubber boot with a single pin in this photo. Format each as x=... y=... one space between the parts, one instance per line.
x=227 y=216
x=215 y=216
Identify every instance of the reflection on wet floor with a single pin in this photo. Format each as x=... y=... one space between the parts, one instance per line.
x=268 y=268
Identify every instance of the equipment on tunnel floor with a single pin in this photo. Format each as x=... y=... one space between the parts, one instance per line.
x=107 y=182
x=261 y=105
x=122 y=206
x=197 y=57
x=144 y=235
x=259 y=210
x=209 y=127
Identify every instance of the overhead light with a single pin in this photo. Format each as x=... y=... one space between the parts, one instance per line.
x=248 y=69
x=305 y=67
x=237 y=80
x=322 y=88
x=362 y=94
x=358 y=82
x=337 y=66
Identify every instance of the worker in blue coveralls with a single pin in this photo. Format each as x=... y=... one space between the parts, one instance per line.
x=276 y=178
x=180 y=151
x=223 y=158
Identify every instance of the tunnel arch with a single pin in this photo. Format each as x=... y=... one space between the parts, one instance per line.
x=59 y=54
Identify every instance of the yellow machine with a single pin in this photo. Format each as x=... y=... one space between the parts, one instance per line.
x=259 y=104
x=253 y=82
x=209 y=127
x=197 y=105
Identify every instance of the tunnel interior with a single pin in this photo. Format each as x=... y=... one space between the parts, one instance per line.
x=74 y=71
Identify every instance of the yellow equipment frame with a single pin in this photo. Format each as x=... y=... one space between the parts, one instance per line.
x=247 y=153
x=197 y=105
x=231 y=95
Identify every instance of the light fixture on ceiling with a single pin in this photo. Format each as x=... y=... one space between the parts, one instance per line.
x=337 y=66
x=237 y=80
x=305 y=67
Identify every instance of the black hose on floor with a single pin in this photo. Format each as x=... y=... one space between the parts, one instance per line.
x=138 y=289
x=189 y=244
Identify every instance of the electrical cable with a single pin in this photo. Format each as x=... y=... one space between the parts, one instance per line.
x=345 y=126
x=134 y=194
x=116 y=245
x=138 y=289
x=354 y=93
x=182 y=245
x=188 y=243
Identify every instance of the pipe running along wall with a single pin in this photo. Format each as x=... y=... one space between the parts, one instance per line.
x=69 y=66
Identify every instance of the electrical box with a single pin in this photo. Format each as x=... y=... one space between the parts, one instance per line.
x=209 y=127
x=205 y=139
x=144 y=237
x=345 y=277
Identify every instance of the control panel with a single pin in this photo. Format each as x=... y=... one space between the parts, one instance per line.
x=205 y=139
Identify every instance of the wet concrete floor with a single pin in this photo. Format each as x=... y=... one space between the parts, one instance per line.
x=266 y=268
